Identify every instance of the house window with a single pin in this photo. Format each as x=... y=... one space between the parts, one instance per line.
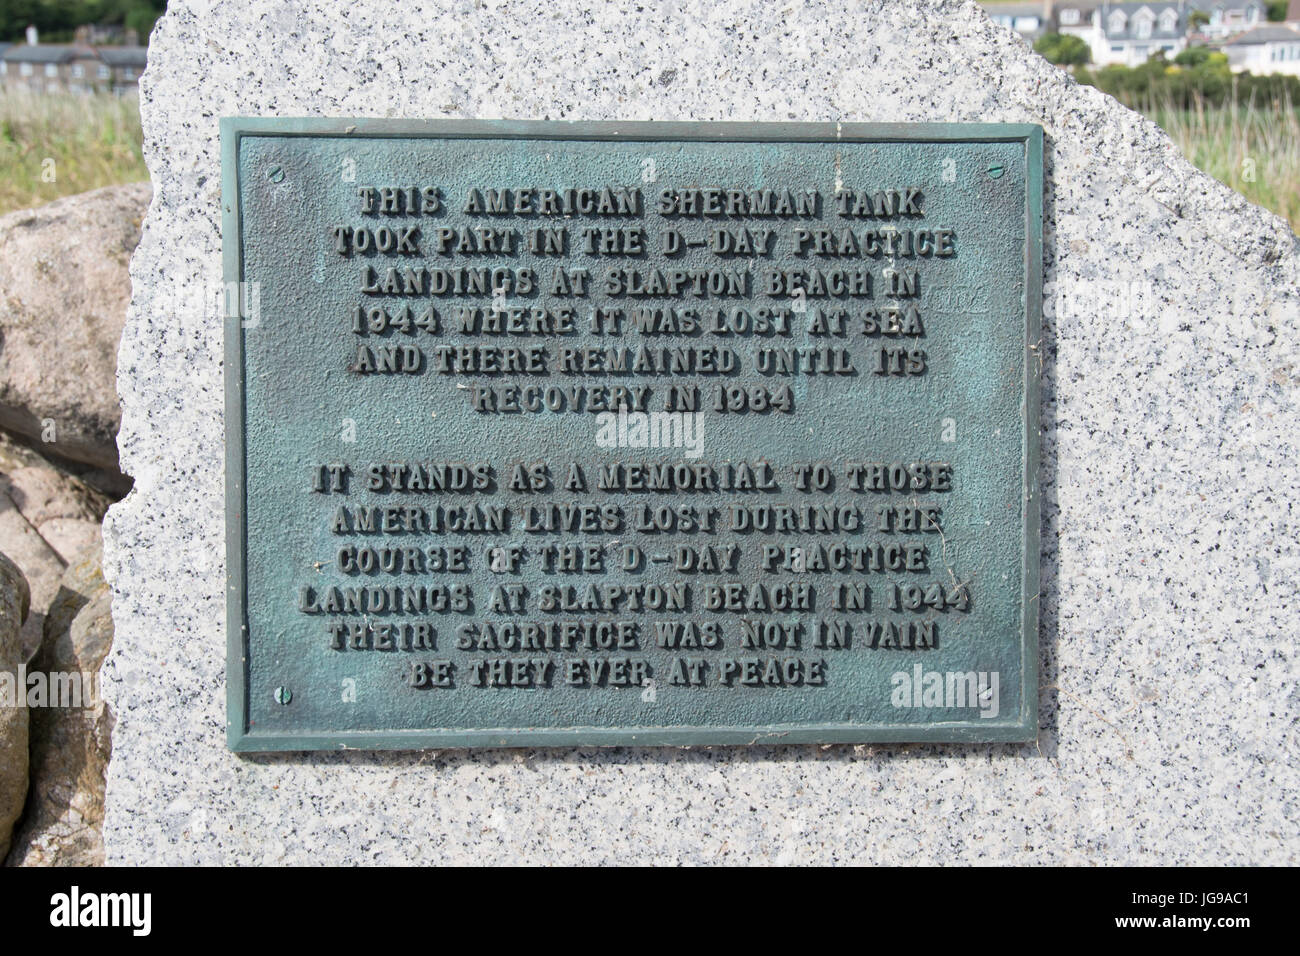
x=1116 y=22
x=78 y=71
x=128 y=74
x=1069 y=17
x=4 y=67
x=1169 y=21
x=1117 y=48
x=1142 y=28
x=25 y=69
x=51 y=69
x=103 y=72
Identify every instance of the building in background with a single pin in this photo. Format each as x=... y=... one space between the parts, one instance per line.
x=1076 y=19
x=125 y=64
x=56 y=68
x=1273 y=48
x=1030 y=19
x=100 y=34
x=72 y=68
x=1125 y=33
x=1226 y=18
x=1129 y=33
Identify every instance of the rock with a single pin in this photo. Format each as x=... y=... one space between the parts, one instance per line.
x=70 y=745
x=14 y=602
x=64 y=289
x=48 y=518
x=1171 y=469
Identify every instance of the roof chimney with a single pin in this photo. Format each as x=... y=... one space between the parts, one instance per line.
x=32 y=38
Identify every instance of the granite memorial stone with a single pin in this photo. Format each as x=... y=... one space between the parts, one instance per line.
x=1170 y=463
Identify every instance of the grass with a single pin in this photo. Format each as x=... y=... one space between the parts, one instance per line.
x=58 y=145
x=1252 y=147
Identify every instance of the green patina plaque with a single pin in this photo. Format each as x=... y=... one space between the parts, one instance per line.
x=630 y=433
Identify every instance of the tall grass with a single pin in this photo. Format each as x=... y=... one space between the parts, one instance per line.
x=59 y=144
x=1252 y=146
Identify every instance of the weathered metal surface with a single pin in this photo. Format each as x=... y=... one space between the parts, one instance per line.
x=331 y=377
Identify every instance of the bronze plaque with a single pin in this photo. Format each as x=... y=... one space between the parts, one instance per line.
x=630 y=433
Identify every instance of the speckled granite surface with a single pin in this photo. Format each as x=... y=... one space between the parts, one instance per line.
x=1171 y=468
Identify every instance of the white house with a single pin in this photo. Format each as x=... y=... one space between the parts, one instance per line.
x=1081 y=18
x=1227 y=18
x=1274 y=48
x=1127 y=33
x=1076 y=19
x=1029 y=18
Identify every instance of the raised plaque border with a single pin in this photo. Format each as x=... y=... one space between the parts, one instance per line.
x=238 y=736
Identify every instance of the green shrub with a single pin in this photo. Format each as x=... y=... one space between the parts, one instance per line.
x=1063 y=49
